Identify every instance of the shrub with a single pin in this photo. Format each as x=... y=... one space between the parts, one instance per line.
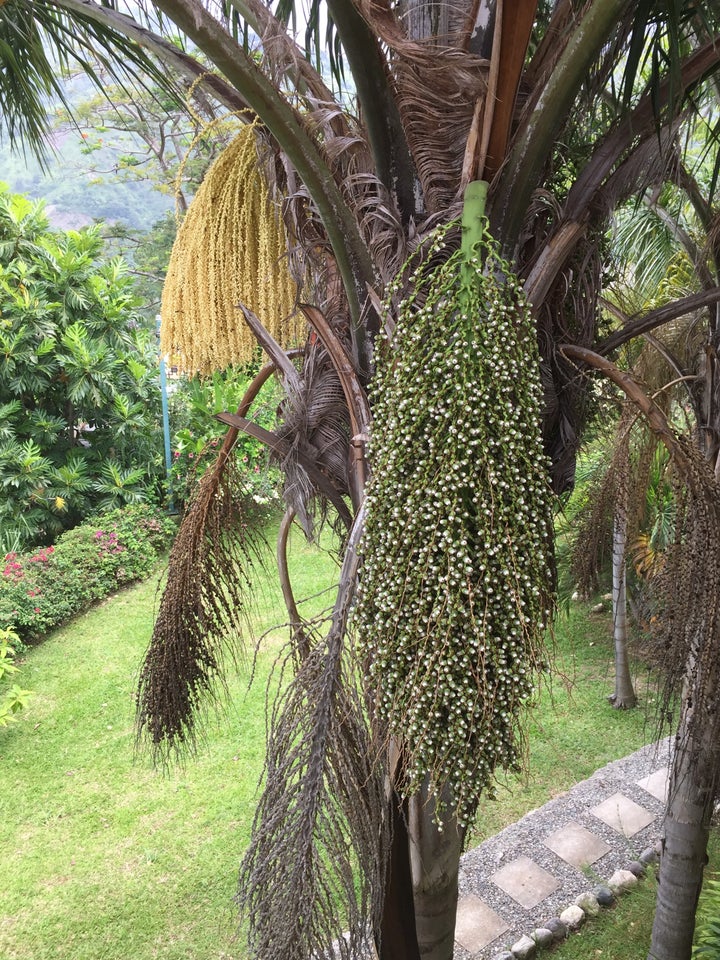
x=14 y=698
x=79 y=395
x=44 y=588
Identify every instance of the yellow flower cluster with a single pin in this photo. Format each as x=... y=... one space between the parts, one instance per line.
x=231 y=248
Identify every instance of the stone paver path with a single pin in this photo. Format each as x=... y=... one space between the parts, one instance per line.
x=531 y=871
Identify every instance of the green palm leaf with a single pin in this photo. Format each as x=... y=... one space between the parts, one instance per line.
x=38 y=44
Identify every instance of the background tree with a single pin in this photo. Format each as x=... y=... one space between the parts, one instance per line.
x=439 y=109
x=79 y=391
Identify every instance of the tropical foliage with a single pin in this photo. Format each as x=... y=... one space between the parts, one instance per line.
x=79 y=394
x=13 y=697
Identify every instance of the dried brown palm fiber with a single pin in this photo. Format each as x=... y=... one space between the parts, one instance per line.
x=325 y=783
x=203 y=602
x=686 y=622
x=315 y=421
x=230 y=247
x=438 y=84
x=200 y=620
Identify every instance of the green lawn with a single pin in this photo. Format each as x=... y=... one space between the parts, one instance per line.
x=104 y=858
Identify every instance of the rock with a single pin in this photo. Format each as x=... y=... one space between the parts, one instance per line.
x=542 y=936
x=558 y=929
x=649 y=856
x=622 y=881
x=604 y=895
x=589 y=903
x=637 y=868
x=598 y=608
x=524 y=949
x=573 y=917
x=505 y=955
x=658 y=847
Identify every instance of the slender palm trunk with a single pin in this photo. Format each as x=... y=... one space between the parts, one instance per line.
x=436 y=843
x=693 y=787
x=624 y=697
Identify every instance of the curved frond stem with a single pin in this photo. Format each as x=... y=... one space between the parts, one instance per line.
x=170 y=54
x=551 y=260
x=282 y=120
x=282 y=50
x=536 y=139
x=656 y=318
x=656 y=419
x=378 y=106
x=637 y=126
x=288 y=129
x=355 y=397
x=249 y=397
x=296 y=622
x=271 y=347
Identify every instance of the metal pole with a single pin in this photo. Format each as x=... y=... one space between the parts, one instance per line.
x=166 y=422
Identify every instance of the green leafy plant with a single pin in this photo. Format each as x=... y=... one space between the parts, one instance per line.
x=14 y=698
x=198 y=435
x=707 y=931
x=79 y=392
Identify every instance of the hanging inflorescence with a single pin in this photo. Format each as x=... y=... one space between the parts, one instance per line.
x=457 y=584
x=230 y=248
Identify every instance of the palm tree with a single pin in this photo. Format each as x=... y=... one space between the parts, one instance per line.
x=364 y=805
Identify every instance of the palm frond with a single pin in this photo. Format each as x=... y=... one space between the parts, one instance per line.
x=201 y=615
x=324 y=872
x=39 y=42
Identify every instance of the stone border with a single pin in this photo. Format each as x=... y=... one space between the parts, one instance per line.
x=573 y=917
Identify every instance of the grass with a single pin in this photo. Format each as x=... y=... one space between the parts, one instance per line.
x=105 y=858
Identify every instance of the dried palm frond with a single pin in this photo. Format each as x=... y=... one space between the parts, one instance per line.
x=315 y=420
x=200 y=620
x=324 y=783
x=438 y=86
x=231 y=247
x=687 y=600
x=687 y=622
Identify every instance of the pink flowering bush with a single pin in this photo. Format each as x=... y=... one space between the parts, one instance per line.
x=41 y=589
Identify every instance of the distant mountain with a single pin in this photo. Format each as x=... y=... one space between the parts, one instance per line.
x=75 y=195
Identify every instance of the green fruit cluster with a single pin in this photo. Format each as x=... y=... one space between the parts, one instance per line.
x=456 y=590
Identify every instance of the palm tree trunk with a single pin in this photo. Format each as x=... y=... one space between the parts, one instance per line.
x=436 y=843
x=398 y=939
x=624 y=697
x=693 y=787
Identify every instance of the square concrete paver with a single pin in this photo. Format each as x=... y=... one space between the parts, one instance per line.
x=623 y=814
x=656 y=784
x=477 y=925
x=576 y=845
x=525 y=882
